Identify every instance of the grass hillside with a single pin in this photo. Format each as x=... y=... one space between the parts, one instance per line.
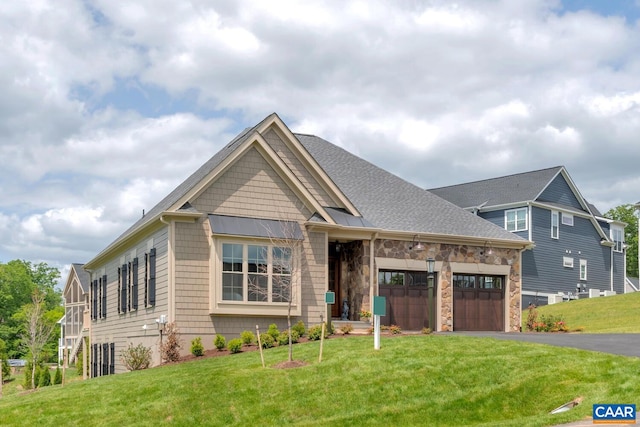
x=444 y=380
x=618 y=313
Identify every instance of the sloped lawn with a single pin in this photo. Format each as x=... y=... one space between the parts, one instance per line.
x=441 y=380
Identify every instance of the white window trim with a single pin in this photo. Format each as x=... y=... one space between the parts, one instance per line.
x=260 y=308
x=526 y=219
x=567 y=262
x=567 y=219
x=555 y=230
x=583 y=269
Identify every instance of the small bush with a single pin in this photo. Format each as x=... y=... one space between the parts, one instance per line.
x=45 y=377
x=220 y=342
x=267 y=340
x=346 y=328
x=235 y=345
x=247 y=337
x=57 y=379
x=426 y=331
x=315 y=332
x=283 y=338
x=299 y=328
x=273 y=331
x=532 y=317
x=27 y=374
x=136 y=358
x=170 y=348
x=197 y=349
x=395 y=330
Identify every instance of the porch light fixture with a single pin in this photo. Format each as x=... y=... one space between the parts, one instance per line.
x=430 y=265
x=416 y=245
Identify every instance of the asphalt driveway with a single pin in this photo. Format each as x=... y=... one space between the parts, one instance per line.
x=622 y=344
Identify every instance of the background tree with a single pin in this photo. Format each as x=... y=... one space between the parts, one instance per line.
x=38 y=329
x=626 y=213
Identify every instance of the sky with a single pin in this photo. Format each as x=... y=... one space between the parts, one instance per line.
x=107 y=106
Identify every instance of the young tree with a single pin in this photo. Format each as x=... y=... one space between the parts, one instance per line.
x=282 y=260
x=626 y=213
x=37 y=330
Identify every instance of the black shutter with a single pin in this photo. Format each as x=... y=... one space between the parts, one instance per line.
x=146 y=280
x=134 y=289
x=94 y=360
x=123 y=289
x=94 y=300
x=104 y=296
x=112 y=360
x=119 y=289
x=152 y=276
x=105 y=359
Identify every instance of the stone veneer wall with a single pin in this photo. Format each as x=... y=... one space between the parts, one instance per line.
x=448 y=254
x=355 y=274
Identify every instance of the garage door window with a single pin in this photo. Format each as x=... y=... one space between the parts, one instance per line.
x=400 y=278
x=471 y=281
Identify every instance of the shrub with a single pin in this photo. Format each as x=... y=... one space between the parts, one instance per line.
x=27 y=374
x=395 y=329
x=426 y=331
x=299 y=328
x=235 y=345
x=220 y=342
x=283 y=338
x=273 y=331
x=315 y=332
x=45 y=377
x=170 y=348
x=57 y=379
x=346 y=328
x=197 y=348
x=136 y=358
x=247 y=337
x=532 y=318
x=267 y=340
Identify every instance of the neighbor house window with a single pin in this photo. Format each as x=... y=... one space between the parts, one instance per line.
x=583 y=269
x=618 y=238
x=567 y=262
x=516 y=219
x=567 y=219
x=256 y=273
x=555 y=224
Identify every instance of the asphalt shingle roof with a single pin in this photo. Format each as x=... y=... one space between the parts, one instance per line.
x=83 y=277
x=521 y=187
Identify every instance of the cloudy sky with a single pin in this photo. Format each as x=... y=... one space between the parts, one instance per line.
x=106 y=106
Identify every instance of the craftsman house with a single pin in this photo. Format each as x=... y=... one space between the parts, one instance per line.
x=576 y=248
x=274 y=208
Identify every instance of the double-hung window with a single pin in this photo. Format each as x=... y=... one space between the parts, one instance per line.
x=516 y=219
x=583 y=269
x=256 y=273
x=618 y=238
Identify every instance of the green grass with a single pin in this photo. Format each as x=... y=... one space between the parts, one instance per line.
x=614 y=314
x=443 y=380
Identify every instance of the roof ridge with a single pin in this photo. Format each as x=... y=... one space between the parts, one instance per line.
x=497 y=177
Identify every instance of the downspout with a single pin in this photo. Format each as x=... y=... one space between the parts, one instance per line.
x=171 y=294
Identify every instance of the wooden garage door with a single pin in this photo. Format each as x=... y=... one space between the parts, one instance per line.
x=478 y=303
x=407 y=296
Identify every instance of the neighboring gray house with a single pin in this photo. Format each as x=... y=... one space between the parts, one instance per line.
x=632 y=284
x=199 y=256
x=576 y=248
x=75 y=323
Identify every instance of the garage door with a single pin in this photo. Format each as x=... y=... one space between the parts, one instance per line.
x=478 y=303
x=407 y=296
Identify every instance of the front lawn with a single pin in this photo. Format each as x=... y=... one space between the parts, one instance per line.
x=441 y=379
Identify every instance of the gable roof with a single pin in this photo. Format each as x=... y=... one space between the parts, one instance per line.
x=390 y=203
x=374 y=198
x=81 y=274
x=504 y=190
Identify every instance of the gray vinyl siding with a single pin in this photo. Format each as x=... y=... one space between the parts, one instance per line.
x=618 y=272
x=558 y=191
x=497 y=218
x=542 y=267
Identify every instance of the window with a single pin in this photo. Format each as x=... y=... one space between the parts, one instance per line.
x=555 y=225
x=256 y=273
x=395 y=278
x=583 y=269
x=567 y=262
x=401 y=278
x=123 y=279
x=618 y=238
x=134 y=284
x=567 y=219
x=516 y=219
x=471 y=281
